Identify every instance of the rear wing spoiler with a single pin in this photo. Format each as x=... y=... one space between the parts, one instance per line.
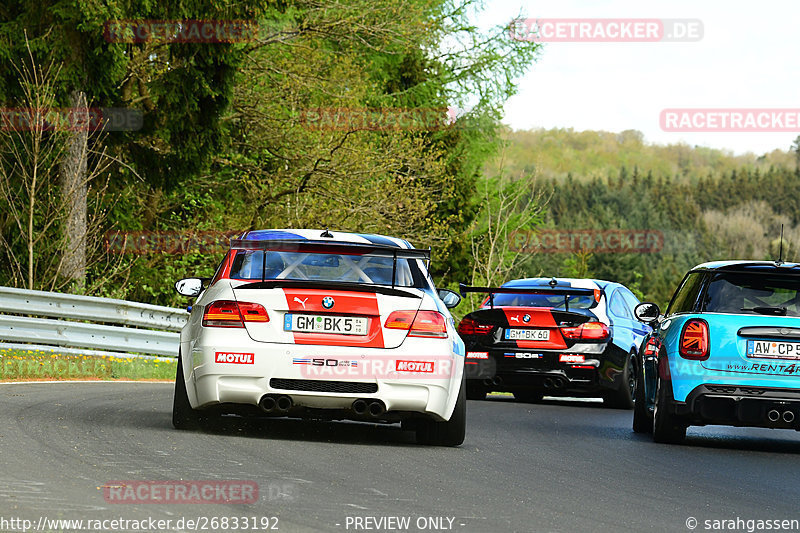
x=329 y=247
x=333 y=247
x=564 y=291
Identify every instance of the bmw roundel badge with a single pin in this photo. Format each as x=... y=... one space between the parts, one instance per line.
x=327 y=302
x=526 y=318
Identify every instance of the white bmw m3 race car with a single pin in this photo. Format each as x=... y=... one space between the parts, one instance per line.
x=324 y=325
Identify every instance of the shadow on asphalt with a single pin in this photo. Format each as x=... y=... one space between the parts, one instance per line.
x=719 y=437
x=278 y=429
x=587 y=403
x=733 y=441
x=344 y=432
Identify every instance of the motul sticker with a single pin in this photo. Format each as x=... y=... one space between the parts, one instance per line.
x=414 y=366
x=566 y=358
x=477 y=355
x=233 y=357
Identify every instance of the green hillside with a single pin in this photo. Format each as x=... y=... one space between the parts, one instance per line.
x=706 y=204
x=557 y=153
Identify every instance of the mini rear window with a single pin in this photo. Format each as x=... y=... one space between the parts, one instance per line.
x=757 y=293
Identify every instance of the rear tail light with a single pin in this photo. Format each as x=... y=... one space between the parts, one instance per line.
x=595 y=331
x=230 y=314
x=253 y=312
x=694 y=340
x=418 y=323
x=469 y=326
x=652 y=346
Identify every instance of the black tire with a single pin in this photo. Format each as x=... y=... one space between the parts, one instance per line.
x=642 y=423
x=667 y=428
x=528 y=396
x=183 y=416
x=622 y=398
x=450 y=433
x=476 y=390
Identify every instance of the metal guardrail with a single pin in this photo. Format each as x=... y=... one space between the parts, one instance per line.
x=161 y=339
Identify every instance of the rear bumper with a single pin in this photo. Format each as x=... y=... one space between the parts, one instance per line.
x=740 y=405
x=369 y=374
x=544 y=371
x=687 y=375
x=397 y=396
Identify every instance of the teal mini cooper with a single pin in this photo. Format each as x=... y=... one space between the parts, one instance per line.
x=726 y=351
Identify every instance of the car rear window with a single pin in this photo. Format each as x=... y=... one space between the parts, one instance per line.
x=756 y=293
x=367 y=269
x=553 y=301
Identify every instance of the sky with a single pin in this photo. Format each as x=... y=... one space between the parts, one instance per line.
x=746 y=59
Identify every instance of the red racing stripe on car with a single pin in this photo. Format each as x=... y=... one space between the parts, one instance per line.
x=344 y=303
x=539 y=319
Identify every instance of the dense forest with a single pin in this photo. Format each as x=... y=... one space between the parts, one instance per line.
x=228 y=136
x=340 y=117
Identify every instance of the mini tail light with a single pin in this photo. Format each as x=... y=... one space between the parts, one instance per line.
x=595 y=331
x=652 y=346
x=694 y=340
x=230 y=314
x=418 y=323
x=470 y=326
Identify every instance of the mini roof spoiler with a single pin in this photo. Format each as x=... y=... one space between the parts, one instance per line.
x=562 y=291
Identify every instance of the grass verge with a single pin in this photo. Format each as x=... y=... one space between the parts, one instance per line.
x=30 y=365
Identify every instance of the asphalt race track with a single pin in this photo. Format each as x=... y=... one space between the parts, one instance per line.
x=556 y=466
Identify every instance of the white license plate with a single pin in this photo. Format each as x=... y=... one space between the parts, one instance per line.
x=773 y=349
x=342 y=325
x=528 y=334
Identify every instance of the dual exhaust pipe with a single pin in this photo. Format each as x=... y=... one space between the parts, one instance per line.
x=372 y=408
x=281 y=404
x=274 y=403
x=553 y=383
x=775 y=416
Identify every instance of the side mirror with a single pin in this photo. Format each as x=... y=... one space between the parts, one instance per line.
x=450 y=298
x=647 y=312
x=189 y=286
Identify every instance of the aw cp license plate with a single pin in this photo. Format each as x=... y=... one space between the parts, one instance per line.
x=773 y=349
